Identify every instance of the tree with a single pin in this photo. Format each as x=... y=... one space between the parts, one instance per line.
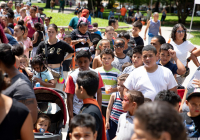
x=182 y=9
x=48 y=3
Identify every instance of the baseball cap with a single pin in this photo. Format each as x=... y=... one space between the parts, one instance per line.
x=29 y=3
x=84 y=12
x=195 y=93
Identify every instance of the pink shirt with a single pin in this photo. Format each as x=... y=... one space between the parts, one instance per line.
x=31 y=31
x=27 y=43
x=60 y=36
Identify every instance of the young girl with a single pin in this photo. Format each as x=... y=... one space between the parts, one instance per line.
x=42 y=124
x=47 y=21
x=43 y=76
x=24 y=66
x=19 y=31
x=37 y=37
x=27 y=42
x=61 y=34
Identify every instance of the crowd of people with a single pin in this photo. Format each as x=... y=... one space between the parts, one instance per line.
x=117 y=88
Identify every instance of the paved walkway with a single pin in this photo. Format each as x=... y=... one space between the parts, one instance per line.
x=67 y=10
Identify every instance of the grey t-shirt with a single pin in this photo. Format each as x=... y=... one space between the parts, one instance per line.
x=118 y=62
x=20 y=89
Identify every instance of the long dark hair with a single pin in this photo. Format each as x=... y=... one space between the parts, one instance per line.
x=173 y=34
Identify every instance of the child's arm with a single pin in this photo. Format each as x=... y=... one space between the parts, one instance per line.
x=109 y=108
x=95 y=63
x=29 y=72
x=50 y=83
x=36 y=35
x=181 y=68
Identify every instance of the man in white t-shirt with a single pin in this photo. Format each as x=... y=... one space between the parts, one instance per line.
x=138 y=16
x=150 y=78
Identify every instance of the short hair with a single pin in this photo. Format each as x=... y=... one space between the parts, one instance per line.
x=173 y=34
x=166 y=47
x=157 y=117
x=89 y=80
x=150 y=48
x=123 y=77
x=125 y=35
x=126 y=65
x=169 y=96
x=95 y=41
x=67 y=36
x=95 y=24
x=160 y=38
x=111 y=21
x=44 y=116
x=83 y=120
x=137 y=24
x=103 y=40
x=137 y=49
x=83 y=53
x=119 y=39
x=155 y=13
x=40 y=8
x=25 y=57
x=136 y=96
x=107 y=51
x=109 y=28
x=147 y=100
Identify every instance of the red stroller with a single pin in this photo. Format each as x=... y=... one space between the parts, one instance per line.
x=58 y=120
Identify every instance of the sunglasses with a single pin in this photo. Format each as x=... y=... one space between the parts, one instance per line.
x=153 y=44
x=119 y=46
x=179 y=31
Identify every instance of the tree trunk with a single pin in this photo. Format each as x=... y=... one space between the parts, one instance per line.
x=182 y=10
x=47 y=3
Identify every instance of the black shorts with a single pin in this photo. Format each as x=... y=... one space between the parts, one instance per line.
x=163 y=18
x=66 y=65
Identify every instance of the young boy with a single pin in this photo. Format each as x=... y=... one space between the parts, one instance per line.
x=115 y=109
x=109 y=76
x=66 y=64
x=150 y=78
x=83 y=125
x=137 y=27
x=166 y=53
x=95 y=41
x=95 y=28
x=109 y=34
x=86 y=87
x=191 y=119
x=136 y=58
x=170 y=97
x=104 y=43
x=126 y=37
x=83 y=59
x=120 y=57
x=132 y=100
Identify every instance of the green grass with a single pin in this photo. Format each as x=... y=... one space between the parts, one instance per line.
x=196 y=38
x=63 y=19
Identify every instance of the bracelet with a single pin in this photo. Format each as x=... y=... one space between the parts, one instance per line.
x=188 y=60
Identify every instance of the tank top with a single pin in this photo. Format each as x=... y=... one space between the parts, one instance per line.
x=154 y=27
x=163 y=13
x=117 y=109
x=11 y=126
x=40 y=37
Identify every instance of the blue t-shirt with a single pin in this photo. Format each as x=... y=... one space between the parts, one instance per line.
x=171 y=66
x=44 y=75
x=89 y=19
x=130 y=13
x=98 y=32
x=11 y=40
x=12 y=31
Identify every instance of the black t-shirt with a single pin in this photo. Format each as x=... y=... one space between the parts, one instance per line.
x=11 y=126
x=40 y=37
x=139 y=40
x=20 y=89
x=192 y=125
x=125 y=51
x=96 y=113
x=76 y=34
x=56 y=52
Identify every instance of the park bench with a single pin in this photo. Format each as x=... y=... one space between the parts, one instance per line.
x=68 y=31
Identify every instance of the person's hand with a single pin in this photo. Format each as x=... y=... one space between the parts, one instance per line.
x=82 y=40
x=196 y=82
x=88 y=41
x=144 y=38
x=172 y=53
x=180 y=109
x=37 y=79
x=21 y=66
x=107 y=125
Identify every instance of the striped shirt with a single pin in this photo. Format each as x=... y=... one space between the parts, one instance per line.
x=117 y=109
x=109 y=78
